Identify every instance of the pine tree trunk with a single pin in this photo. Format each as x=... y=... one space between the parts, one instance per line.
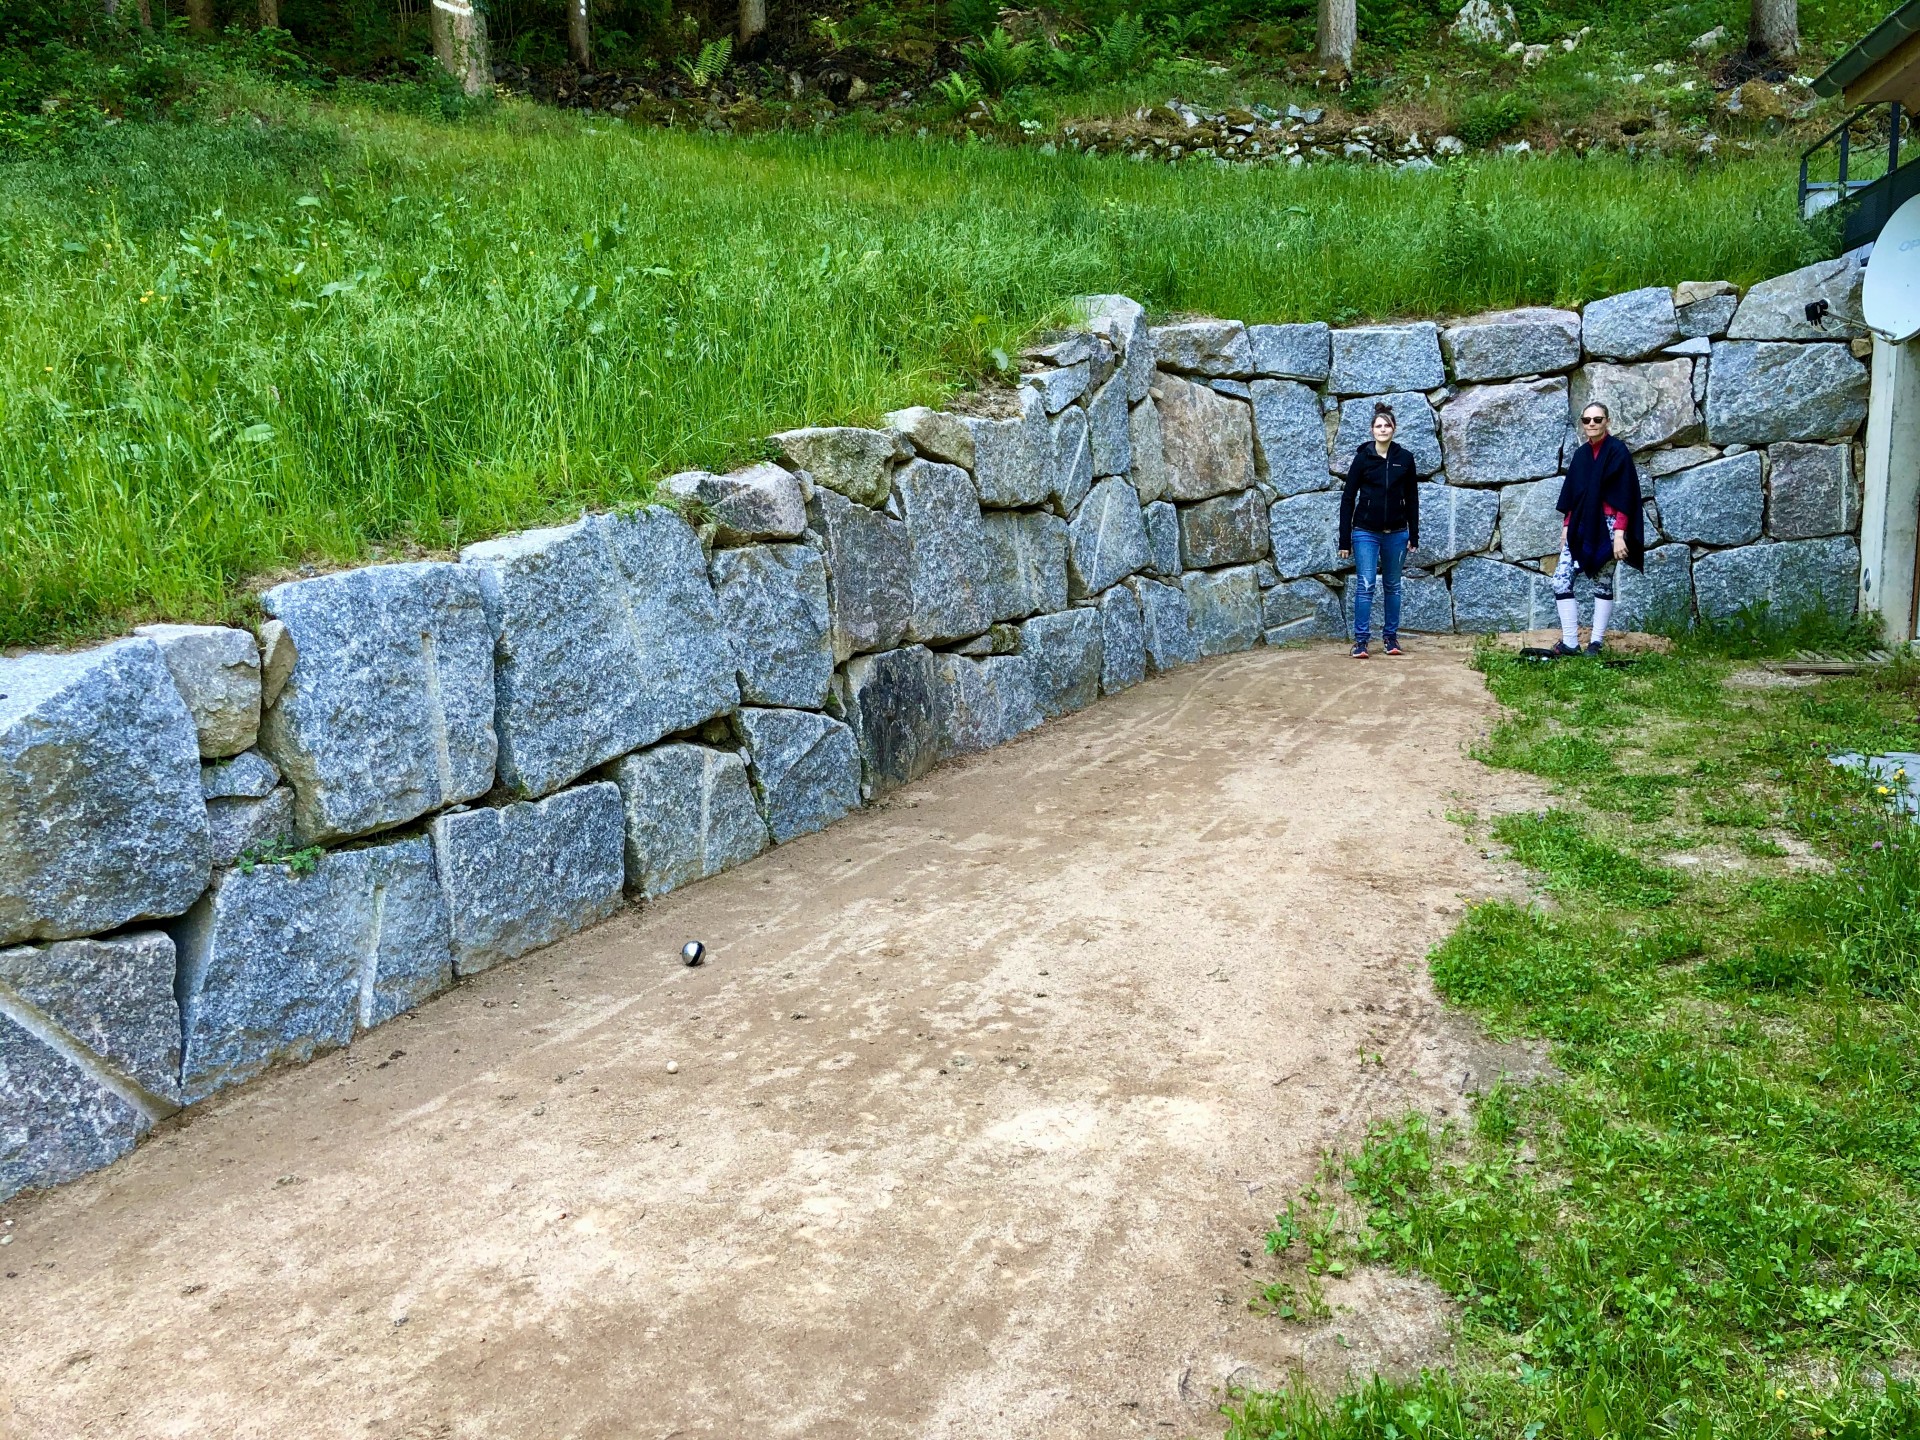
x=1774 y=29
x=460 y=44
x=269 y=14
x=579 y=36
x=750 y=39
x=1334 y=45
x=145 y=10
x=200 y=16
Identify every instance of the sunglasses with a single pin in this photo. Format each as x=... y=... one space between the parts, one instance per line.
x=1593 y=419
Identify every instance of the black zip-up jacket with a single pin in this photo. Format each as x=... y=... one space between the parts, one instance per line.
x=1382 y=494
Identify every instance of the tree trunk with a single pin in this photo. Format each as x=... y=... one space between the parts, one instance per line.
x=460 y=44
x=1774 y=29
x=144 y=8
x=269 y=14
x=200 y=16
x=579 y=36
x=750 y=39
x=1333 y=47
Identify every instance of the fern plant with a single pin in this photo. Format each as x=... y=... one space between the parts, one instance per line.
x=1122 y=45
x=998 y=63
x=712 y=62
x=959 y=93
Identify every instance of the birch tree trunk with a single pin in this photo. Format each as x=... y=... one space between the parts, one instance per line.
x=460 y=44
x=579 y=35
x=1774 y=29
x=269 y=14
x=750 y=39
x=1333 y=47
x=200 y=16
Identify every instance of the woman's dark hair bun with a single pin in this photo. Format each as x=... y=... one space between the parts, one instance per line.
x=1380 y=408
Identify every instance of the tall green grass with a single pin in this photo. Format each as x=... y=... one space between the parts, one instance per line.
x=321 y=335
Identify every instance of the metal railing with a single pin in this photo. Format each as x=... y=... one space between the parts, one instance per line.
x=1818 y=195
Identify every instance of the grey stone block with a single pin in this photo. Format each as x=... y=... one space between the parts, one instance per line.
x=607 y=635
x=389 y=711
x=1760 y=391
x=1491 y=596
x=1305 y=534
x=1027 y=562
x=806 y=769
x=276 y=661
x=1426 y=605
x=1418 y=433
x=1289 y=437
x=1381 y=359
x=1108 y=429
x=893 y=703
x=1226 y=530
x=1708 y=316
x=1626 y=327
x=217 y=671
x=101 y=815
x=1659 y=597
x=935 y=434
x=1069 y=461
x=773 y=601
x=1162 y=520
x=1792 y=578
x=689 y=814
x=869 y=581
x=1059 y=387
x=58 y=1118
x=1531 y=525
x=1776 y=309
x=1012 y=456
x=986 y=702
x=1719 y=503
x=1204 y=347
x=1224 y=606
x=114 y=999
x=1292 y=352
x=526 y=875
x=1666 y=462
x=1208 y=439
x=1107 y=539
x=1301 y=610
x=1123 y=641
x=1509 y=343
x=1149 y=473
x=1122 y=323
x=1650 y=404
x=946 y=552
x=248 y=775
x=1064 y=650
x=762 y=502
x=1811 y=491
x=275 y=966
x=1496 y=434
x=1455 y=522
x=242 y=825
x=858 y=464
x=1167 y=624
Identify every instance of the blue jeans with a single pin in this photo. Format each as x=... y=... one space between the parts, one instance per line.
x=1384 y=554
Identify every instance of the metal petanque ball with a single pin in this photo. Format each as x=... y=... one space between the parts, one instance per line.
x=693 y=952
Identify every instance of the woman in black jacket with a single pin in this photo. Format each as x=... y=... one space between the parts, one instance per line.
x=1603 y=525
x=1379 y=524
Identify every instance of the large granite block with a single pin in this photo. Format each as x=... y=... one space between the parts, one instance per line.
x=1454 y=522
x=1224 y=609
x=1704 y=308
x=1490 y=596
x=805 y=771
x=1107 y=539
x=217 y=671
x=1379 y=359
x=1301 y=610
x=986 y=702
x=1811 y=491
x=1064 y=650
x=1626 y=327
x=1305 y=535
x=526 y=875
x=893 y=702
x=114 y=998
x=1658 y=597
x=1027 y=562
x=101 y=815
x=389 y=710
x=1650 y=404
x=1719 y=503
x=947 y=558
x=58 y=1118
x=1426 y=605
x=1060 y=386
x=1791 y=578
x=275 y=966
x=1204 y=347
x=1292 y=352
x=762 y=502
x=1226 y=530
x=690 y=813
x=1759 y=392
x=1289 y=437
x=1531 y=525
x=1108 y=429
x=606 y=636
x=1208 y=439
x=936 y=434
x=773 y=602
x=1149 y=474
x=1776 y=309
x=1418 y=433
x=869 y=580
x=1510 y=343
x=1122 y=323
x=1123 y=640
x=1496 y=434
x=1162 y=522
x=1069 y=460
x=858 y=464
x=1167 y=624
x=1012 y=463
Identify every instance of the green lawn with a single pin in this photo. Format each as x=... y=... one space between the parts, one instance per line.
x=331 y=334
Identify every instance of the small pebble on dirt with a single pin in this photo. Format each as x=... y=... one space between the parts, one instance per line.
x=673 y=1067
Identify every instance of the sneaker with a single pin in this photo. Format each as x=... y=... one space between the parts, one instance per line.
x=1360 y=650
x=1393 y=648
x=1595 y=648
x=1560 y=647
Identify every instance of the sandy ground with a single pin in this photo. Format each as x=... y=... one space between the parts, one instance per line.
x=983 y=1105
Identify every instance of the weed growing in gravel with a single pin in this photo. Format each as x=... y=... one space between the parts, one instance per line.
x=1707 y=1226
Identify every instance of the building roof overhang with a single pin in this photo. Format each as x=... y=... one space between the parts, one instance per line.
x=1883 y=66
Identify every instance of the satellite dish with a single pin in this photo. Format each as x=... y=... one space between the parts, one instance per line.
x=1890 y=294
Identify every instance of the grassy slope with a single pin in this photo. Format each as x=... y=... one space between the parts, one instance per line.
x=314 y=335
x=1707 y=1228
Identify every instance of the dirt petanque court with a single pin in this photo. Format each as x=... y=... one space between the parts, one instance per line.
x=970 y=1127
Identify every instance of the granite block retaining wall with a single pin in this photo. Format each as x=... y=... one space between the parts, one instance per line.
x=221 y=851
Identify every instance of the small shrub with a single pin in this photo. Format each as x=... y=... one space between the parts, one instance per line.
x=998 y=63
x=709 y=65
x=1484 y=119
